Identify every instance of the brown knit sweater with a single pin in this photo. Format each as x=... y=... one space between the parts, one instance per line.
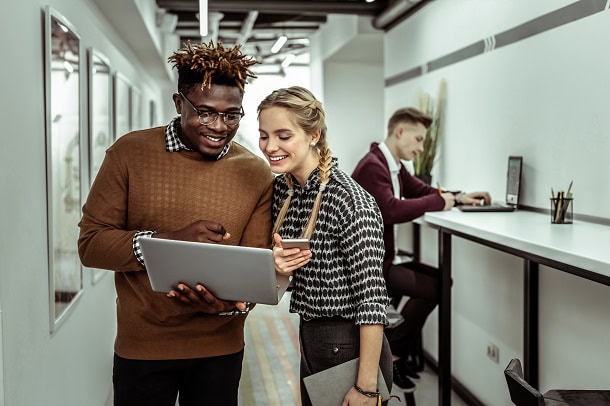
x=142 y=187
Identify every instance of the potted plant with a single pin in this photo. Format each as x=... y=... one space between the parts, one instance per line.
x=423 y=162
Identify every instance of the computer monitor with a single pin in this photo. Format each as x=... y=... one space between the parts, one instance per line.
x=513 y=180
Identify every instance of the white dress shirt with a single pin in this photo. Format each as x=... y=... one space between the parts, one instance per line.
x=394 y=169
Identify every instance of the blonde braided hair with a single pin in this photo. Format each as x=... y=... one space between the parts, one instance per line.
x=310 y=116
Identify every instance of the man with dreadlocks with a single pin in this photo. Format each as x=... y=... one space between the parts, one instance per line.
x=339 y=291
x=185 y=181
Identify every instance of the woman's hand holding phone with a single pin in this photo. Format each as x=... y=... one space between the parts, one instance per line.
x=290 y=254
x=300 y=243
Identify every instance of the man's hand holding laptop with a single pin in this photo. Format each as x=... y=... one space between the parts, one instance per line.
x=204 y=231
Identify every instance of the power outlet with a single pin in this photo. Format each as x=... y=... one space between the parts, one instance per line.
x=493 y=353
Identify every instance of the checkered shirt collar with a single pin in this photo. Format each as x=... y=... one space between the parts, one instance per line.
x=174 y=144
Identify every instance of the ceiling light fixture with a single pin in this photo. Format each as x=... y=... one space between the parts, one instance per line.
x=279 y=44
x=370 y=1
x=203 y=18
x=288 y=60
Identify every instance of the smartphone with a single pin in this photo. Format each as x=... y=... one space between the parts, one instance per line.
x=302 y=243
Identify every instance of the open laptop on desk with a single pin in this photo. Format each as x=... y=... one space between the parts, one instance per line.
x=513 y=185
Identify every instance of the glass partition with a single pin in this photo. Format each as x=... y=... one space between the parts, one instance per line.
x=63 y=132
x=122 y=106
x=136 y=108
x=100 y=119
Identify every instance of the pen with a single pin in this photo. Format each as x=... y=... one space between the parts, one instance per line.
x=559 y=208
x=568 y=194
x=438 y=187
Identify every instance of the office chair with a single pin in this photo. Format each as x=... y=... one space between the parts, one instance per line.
x=523 y=394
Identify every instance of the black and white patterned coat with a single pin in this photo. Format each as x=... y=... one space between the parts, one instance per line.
x=344 y=276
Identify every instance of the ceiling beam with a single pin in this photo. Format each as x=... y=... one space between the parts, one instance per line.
x=279 y=6
x=399 y=10
x=192 y=32
x=246 y=29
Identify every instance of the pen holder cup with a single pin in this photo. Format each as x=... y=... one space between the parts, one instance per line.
x=562 y=210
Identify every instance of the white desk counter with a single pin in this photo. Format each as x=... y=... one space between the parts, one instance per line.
x=581 y=249
x=581 y=244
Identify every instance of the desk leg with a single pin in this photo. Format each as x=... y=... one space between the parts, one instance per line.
x=444 y=313
x=416 y=242
x=530 y=322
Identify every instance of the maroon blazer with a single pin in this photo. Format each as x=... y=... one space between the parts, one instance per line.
x=373 y=174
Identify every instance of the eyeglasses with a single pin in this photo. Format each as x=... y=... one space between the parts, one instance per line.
x=207 y=117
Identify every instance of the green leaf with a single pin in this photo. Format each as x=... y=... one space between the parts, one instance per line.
x=424 y=162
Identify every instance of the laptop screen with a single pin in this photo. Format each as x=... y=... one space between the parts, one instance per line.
x=513 y=179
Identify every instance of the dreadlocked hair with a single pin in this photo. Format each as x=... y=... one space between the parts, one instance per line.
x=211 y=64
x=309 y=115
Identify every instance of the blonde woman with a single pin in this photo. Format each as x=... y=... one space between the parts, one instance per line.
x=338 y=286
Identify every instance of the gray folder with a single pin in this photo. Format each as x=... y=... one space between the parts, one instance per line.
x=329 y=387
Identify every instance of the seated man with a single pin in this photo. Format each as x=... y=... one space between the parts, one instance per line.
x=402 y=197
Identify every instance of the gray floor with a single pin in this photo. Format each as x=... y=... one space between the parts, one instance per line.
x=426 y=393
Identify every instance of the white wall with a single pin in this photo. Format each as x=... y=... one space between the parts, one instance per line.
x=353 y=112
x=256 y=91
x=347 y=75
x=544 y=97
x=73 y=366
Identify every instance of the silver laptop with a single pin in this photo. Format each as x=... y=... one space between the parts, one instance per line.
x=229 y=272
x=513 y=187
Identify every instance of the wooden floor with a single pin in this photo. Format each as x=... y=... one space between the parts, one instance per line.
x=270 y=373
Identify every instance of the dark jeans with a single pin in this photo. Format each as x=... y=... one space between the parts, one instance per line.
x=422 y=289
x=327 y=342
x=200 y=381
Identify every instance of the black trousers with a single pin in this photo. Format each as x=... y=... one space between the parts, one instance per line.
x=327 y=342
x=417 y=281
x=200 y=381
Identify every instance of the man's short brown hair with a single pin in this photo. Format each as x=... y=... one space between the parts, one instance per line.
x=408 y=115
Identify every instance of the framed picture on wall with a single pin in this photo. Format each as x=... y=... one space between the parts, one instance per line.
x=152 y=119
x=63 y=68
x=122 y=105
x=136 y=108
x=100 y=118
x=100 y=110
